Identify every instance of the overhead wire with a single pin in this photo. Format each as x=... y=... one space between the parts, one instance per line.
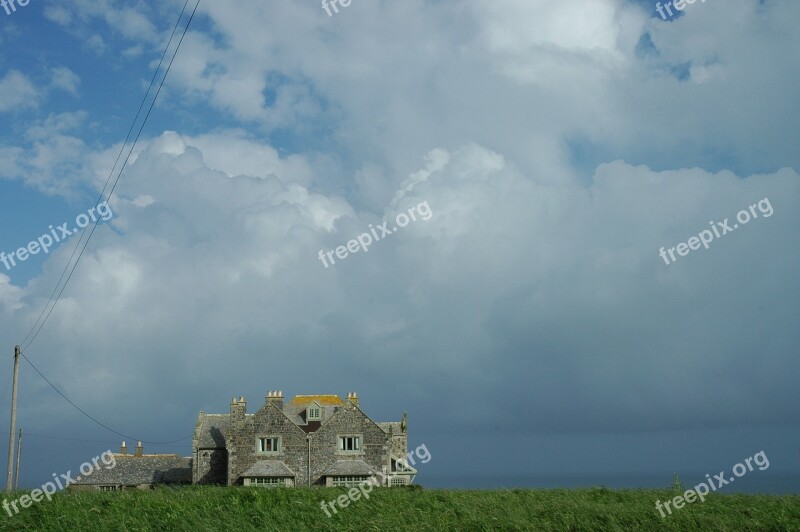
x=48 y=309
x=51 y=303
x=32 y=435
x=82 y=411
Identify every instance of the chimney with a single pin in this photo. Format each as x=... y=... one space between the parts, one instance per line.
x=139 y=450
x=238 y=407
x=353 y=397
x=275 y=398
x=123 y=449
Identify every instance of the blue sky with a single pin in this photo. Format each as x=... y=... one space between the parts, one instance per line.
x=559 y=145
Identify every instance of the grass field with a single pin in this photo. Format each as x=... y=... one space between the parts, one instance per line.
x=213 y=508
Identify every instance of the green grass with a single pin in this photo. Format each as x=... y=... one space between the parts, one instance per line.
x=215 y=508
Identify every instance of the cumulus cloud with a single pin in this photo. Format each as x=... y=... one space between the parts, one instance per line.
x=49 y=156
x=559 y=145
x=547 y=292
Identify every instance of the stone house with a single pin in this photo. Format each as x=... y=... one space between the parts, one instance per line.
x=311 y=440
x=137 y=471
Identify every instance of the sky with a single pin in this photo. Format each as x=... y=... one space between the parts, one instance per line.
x=599 y=285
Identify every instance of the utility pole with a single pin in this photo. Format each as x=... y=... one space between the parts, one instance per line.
x=13 y=418
x=19 y=456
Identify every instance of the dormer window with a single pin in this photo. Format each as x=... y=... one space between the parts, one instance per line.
x=312 y=413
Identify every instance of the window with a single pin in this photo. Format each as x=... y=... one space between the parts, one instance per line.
x=349 y=443
x=349 y=481
x=398 y=481
x=108 y=488
x=312 y=414
x=267 y=482
x=268 y=445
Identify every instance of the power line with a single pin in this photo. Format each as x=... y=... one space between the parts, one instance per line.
x=28 y=434
x=48 y=309
x=127 y=158
x=169 y=67
x=102 y=192
x=82 y=411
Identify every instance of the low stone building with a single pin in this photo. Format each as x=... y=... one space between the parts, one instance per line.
x=312 y=440
x=138 y=471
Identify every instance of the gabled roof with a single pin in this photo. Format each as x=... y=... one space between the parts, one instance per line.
x=269 y=468
x=147 y=469
x=348 y=467
x=211 y=430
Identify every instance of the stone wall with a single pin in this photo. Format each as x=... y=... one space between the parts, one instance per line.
x=210 y=466
x=269 y=421
x=325 y=442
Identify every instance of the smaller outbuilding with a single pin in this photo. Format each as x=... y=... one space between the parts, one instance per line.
x=138 y=471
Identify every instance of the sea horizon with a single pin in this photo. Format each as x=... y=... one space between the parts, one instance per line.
x=773 y=484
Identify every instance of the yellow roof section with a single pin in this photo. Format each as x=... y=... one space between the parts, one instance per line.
x=323 y=400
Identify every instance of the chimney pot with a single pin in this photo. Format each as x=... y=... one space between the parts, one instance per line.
x=238 y=407
x=275 y=397
x=123 y=449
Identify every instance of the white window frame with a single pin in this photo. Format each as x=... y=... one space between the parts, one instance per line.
x=262 y=442
x=107 y=488
x=350 y=481
x=313 y=413
x=267 y=482
x=349 y=440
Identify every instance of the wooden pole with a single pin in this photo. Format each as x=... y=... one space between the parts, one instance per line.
x=13 y=419
x=19 y=456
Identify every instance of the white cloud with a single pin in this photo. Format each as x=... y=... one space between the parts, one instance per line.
x=518 y=26
x=17 y=92
x=519 y=266
x=65 y=79
x=133 y=51
x=96 y=44
x=58 y=13
x=558 y=151
x=53 y=159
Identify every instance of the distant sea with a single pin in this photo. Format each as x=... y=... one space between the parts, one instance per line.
x=753 y=482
